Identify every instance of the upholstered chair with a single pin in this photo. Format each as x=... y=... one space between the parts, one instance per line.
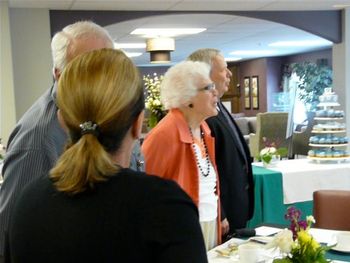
x=332 y=209
x=272 y=126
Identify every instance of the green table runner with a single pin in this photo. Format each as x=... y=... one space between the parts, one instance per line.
x=269 y=206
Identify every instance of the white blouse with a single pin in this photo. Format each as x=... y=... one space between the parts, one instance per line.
x=208 y=200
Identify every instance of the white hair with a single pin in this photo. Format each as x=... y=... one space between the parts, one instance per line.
x=205 y=55
x=61 y=42
x=181 y=82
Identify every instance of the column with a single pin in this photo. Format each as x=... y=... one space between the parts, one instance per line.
x=341 y=68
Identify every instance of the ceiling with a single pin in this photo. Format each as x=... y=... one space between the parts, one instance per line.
x=228 y=33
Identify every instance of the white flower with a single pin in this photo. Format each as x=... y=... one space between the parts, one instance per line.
x=152 y=93
x=268 y=150
x=156 y=102
x=310 y=219
x=282 y=240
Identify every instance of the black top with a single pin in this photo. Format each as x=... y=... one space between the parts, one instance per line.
x=235 y=171
x=129 y=218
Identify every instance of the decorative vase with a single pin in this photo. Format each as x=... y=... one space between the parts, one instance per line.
x=273 y=161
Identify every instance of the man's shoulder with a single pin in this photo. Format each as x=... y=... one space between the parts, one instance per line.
x=213 y=122
x=38 y=124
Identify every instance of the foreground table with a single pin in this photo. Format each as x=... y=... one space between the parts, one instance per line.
x=321 y=235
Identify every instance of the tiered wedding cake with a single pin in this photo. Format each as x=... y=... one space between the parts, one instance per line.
x=329 y=141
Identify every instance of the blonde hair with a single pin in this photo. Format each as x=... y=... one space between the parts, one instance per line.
x=62 y=44
x=180 y=83
x=205 y=55
x=104 y=87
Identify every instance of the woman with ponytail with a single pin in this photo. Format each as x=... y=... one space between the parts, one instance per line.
x=92 y=207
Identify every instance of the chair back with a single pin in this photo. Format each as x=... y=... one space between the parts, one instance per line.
x=300 y=139
x=272 y=126
x=332 y=209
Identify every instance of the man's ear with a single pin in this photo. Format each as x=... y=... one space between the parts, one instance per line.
x=56 y=73
x=61 y=121
x=137 y=126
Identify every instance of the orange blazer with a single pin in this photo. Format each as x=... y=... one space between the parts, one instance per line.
x=168 y=153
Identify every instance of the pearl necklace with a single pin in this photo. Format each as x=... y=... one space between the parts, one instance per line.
x=206 y=154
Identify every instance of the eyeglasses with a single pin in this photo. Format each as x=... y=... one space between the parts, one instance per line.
x=209 y=87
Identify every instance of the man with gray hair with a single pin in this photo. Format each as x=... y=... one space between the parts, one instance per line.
x=38 y=140
x=231 y=151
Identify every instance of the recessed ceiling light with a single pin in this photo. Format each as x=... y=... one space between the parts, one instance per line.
x=231 y=59
x=252 y=52
x=133 y=54
x=129 y=45
x=301 y=43
x=341 y=6
x=166 y=32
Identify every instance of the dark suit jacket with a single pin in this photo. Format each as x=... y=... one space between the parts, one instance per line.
x=236 y=178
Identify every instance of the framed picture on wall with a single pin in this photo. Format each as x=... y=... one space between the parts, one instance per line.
x=246 y=88
x=227 y=102
x=255 y=92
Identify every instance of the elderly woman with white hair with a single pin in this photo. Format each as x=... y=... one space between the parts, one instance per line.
x=181 y=148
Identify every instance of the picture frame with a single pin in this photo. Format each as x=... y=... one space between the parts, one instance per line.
x=246 y=90
x=227 y=102
x=255 y=92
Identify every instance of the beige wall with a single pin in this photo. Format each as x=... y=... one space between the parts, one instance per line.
x=7 y=99
x=30 y=36
x=25 y=69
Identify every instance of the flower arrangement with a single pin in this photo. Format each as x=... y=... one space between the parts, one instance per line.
x=2 y=150
x=296 y=244
x=271 y=151
x=152 y=102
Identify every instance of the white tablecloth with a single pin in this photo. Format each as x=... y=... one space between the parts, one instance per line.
x=301 y=177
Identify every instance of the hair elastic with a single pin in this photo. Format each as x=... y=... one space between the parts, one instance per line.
x=89 y=127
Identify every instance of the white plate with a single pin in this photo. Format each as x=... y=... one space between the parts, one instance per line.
x=341 y=249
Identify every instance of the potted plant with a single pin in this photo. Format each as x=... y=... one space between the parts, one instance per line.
x=153 y=104
x=314 y=78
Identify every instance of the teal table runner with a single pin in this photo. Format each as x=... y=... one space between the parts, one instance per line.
x=269 y=206
x=334 y=255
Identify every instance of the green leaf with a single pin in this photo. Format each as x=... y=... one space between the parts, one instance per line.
x=152 y=121
x=282 y=260
x=282 y=151
x=266 y=158
x=314 y=78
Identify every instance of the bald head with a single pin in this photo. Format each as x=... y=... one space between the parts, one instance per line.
x=219 y=73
